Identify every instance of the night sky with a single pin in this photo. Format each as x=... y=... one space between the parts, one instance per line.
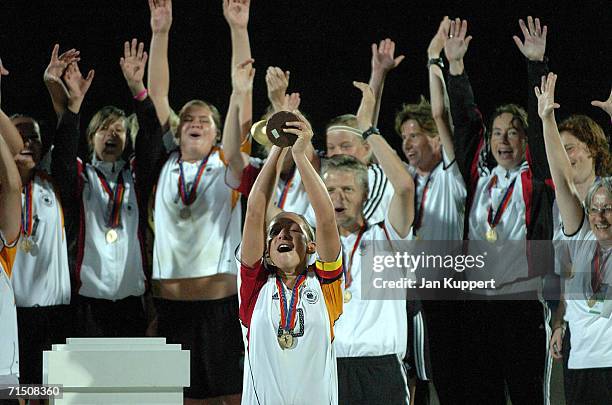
x=325 y=45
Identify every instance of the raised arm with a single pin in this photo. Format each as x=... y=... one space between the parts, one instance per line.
x=7 y=129
x=533 y=48
x=10 y=194
x=242 y=87
x=53 y=77
x=159 y=70
x=149 y=148
x=327 y=237
x=401 y=207
x=568 y=199
x=66 y=144
x=468 y=135
x=383 y=61
x=236 y=13
x=437 y=90
x=253 y=233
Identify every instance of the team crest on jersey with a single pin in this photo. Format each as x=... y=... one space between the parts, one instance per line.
x=46 y=199
x=311 y=296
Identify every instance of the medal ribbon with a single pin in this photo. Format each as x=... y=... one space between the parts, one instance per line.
x=283 y=198
x=26 y=215
x=189 y=197
x=418 y=218
x=288 y=315
x=347 y=270
x=115 y=198
x=596 y=278
x=494 y=220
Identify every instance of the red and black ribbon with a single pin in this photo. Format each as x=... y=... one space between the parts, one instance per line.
x=188 y=197
x=115 y=198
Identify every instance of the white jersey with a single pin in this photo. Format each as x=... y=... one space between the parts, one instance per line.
x=444 y=206
x=9 y=343
x=114 y=270
x=203 y=242
x=590 y=321
x=305 y=373
x=509 y=268
x=370 y=327
x=41 y=276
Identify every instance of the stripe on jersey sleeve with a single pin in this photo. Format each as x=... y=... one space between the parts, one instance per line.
x=7 y=258
x=329 y=270
x=332 y=293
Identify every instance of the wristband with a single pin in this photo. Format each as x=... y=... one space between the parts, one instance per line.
x=435 y=61
x=141 y=95
x=370 y=131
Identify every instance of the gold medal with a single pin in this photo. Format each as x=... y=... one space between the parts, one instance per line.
x=347 y=296
x=285 y=340
x=111 y=236
x=591 y=302
x=26 y=245
x=185 y=213
x=491 y=235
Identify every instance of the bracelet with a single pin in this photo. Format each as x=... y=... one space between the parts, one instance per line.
x=141 y=95
x=558 y=327
x=370 y=131
x=435 y=61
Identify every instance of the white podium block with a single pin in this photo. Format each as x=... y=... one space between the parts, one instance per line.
x=117 y=371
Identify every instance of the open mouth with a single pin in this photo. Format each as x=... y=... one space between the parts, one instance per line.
x=505 y=153
x=111 y=144
x=195 y=135
x=602 y=226
x=26 y=152
x=339 y=210
x=285 y=247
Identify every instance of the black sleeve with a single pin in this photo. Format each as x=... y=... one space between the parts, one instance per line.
x=150 y=153
x=468 y=126
x=538 y=163
x=64 y=169
x=65 y=173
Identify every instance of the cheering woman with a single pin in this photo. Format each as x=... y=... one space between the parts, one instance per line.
x=287 y=307
x=587 y=302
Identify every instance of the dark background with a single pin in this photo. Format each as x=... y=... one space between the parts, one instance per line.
x=325 y=45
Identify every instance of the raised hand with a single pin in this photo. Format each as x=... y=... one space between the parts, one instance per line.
x=292 y=102
x=303 y=130
x=277 y=82
x=546 y=96
x=133 y=63
x=383 y=59
x=75 y=82
x=456 y=43
x=366 y=108
x=437 y=42
x=58 y=64
x=604 y=105
x=161 y=16
x=242 y=77
x=534 y=45
x=236 y=13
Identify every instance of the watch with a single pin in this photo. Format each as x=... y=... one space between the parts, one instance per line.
x=435 y=61
x=370 y=131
